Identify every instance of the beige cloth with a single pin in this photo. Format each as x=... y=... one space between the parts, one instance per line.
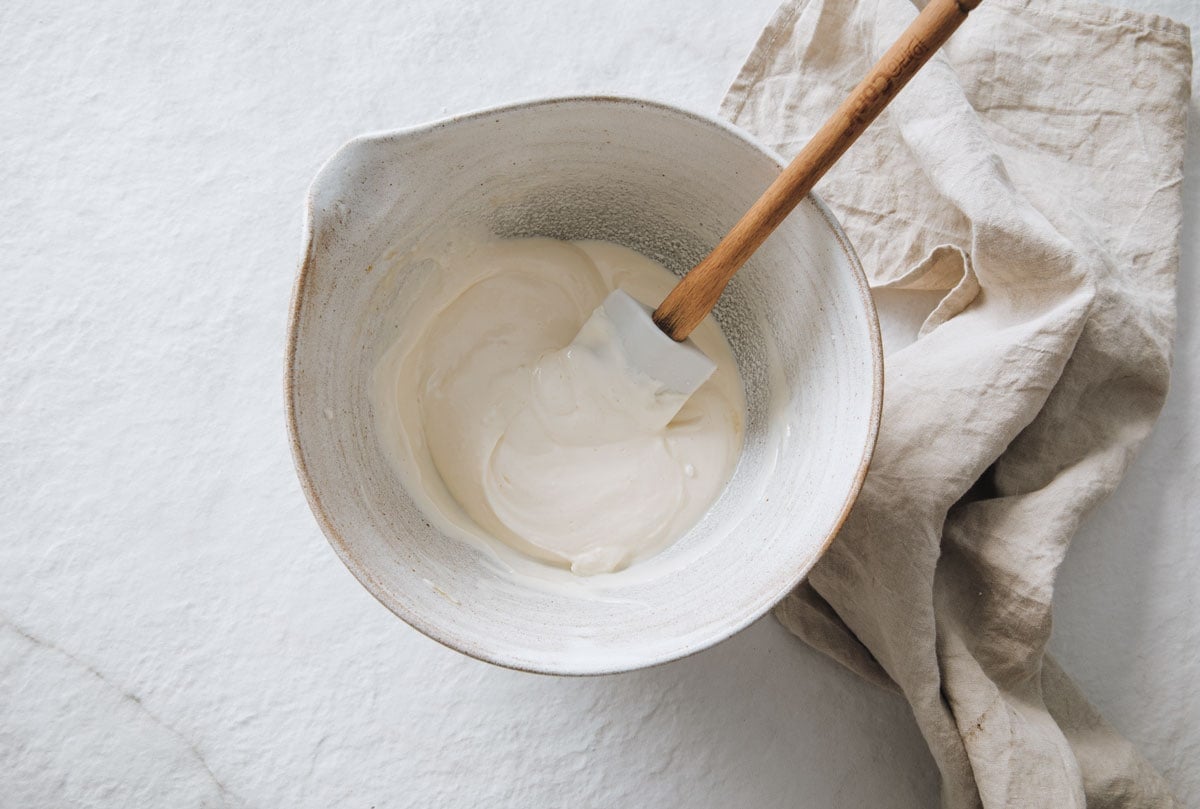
x=1030 y=176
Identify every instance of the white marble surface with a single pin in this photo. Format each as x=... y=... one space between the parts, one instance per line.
x=174 y=630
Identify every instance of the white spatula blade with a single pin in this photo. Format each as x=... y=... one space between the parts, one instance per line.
x=680 y=367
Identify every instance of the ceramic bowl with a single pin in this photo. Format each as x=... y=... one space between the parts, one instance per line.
x=662 y=181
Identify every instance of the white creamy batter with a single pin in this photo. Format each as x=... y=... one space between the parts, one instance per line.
x=504 y=431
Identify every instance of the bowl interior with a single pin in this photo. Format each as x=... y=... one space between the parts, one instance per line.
x=668 y=184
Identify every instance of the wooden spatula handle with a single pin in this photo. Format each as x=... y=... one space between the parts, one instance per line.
x=698 y=292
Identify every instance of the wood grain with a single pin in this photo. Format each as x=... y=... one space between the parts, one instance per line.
x=695 y=296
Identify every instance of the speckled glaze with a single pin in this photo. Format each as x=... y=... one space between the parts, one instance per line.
x=662 y=181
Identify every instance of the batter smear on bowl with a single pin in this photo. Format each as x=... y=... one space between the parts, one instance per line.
x=505 y=429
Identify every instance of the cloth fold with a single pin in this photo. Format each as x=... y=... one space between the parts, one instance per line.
x=1029 y=177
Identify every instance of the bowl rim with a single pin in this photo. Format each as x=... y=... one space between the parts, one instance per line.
x=431 y=629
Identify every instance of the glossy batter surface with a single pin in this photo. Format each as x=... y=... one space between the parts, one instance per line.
x=508 y=431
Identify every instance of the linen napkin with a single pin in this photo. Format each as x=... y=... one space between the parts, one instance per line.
x=1028 y=180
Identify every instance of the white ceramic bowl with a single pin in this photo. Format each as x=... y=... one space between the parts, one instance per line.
x=667 y=183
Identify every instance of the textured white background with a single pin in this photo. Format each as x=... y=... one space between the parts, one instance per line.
x=174 y=630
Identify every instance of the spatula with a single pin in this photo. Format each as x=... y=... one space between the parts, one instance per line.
x=655 y=344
